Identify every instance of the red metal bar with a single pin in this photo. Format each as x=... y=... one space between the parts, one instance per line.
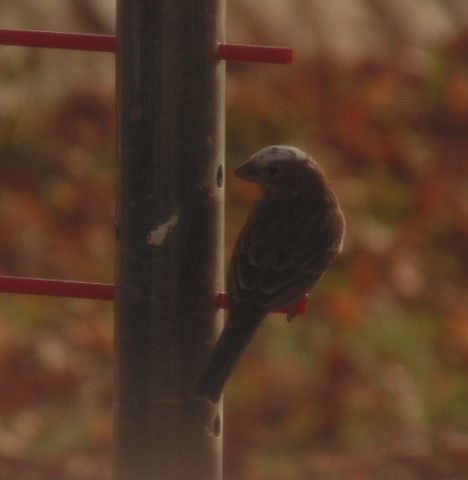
x=254 y=53
x=56 y=288
x=299 y=307
x=108 y=43
x=97 y=291
x=72 y=41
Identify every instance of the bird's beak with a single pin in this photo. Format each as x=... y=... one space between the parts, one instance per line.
x=247 y=171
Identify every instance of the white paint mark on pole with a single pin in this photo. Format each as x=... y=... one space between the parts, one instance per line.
x=158 y=236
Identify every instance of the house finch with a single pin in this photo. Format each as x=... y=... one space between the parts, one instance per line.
x=295 y=230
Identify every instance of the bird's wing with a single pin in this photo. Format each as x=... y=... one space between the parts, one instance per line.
x=281 y=253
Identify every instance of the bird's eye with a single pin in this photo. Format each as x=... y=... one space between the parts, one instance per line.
x=273 y=170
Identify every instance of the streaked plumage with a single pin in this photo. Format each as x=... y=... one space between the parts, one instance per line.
x=293 y=233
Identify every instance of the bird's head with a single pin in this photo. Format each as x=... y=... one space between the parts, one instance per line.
x=281 y=168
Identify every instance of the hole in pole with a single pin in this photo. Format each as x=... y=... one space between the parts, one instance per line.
x=217 y=425
x=220 y=176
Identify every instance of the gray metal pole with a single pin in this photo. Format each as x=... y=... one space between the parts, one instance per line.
x=170 y=96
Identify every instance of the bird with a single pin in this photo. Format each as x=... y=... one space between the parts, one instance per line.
x=293 y=233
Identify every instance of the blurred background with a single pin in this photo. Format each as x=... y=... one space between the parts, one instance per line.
x=371 y=382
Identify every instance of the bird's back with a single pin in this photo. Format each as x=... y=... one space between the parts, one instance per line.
x=283 y=250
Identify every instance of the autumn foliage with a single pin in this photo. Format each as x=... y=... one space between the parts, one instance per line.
x=369 y=384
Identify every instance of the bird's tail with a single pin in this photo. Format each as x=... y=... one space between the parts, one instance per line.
x=228 y=349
